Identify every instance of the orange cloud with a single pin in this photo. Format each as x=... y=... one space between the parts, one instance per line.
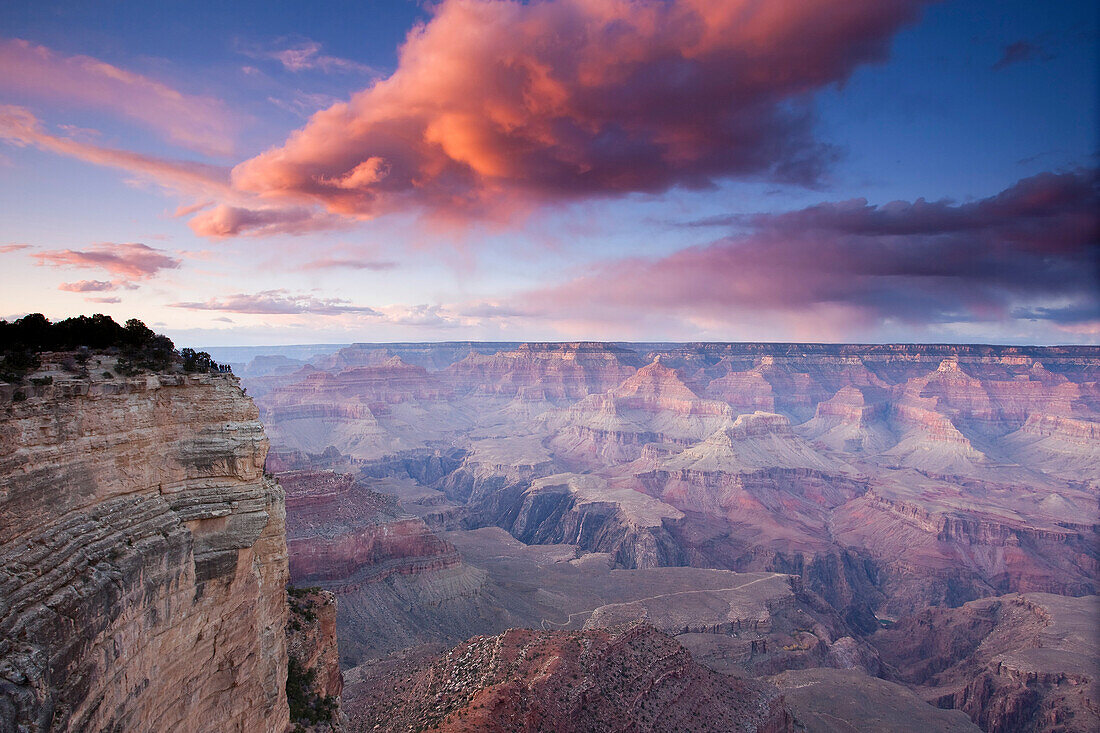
x=497 y=104
x=196 y=122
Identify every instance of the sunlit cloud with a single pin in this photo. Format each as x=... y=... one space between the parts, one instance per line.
x=230 y=221
x=498 y=105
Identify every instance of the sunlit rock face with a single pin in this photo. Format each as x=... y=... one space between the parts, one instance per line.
x=142 y=559
x=545 y=371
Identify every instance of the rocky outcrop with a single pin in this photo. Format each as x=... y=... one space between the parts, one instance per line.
x=840 y=701
x=583 y=510
x=397 y=582
x=340 y=532
x=853 y=421
x=142 y=559
x=654 y=405
x=630 y=679
x=945 y=541
x=1020 y=662
x=1058 y=445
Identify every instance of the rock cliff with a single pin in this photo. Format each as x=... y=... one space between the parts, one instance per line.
x=314 y=680
x=1019 y=662
x=142 y=558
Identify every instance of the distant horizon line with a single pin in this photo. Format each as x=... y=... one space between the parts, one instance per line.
x=970 y=344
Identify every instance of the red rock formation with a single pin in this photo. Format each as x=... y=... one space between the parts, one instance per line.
x=342 y=534
x=633 y=679
x=743 y=391
x=939 y=542
x=651 y=406
x=851 y=421
x=388 y=383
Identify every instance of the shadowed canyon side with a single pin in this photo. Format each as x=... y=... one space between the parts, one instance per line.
x=142 y=557
x=839 y=488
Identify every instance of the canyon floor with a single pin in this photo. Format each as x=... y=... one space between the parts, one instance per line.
x=837 y=537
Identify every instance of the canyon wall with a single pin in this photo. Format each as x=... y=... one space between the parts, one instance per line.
x=142 y=558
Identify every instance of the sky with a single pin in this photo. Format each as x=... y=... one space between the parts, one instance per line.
x=266 y=172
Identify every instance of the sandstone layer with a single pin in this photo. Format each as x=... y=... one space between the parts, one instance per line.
x=142 y=559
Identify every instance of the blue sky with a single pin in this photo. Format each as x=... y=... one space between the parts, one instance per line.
x=952 y=102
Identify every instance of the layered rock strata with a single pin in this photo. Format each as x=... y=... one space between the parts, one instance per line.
x=142 y=559
x=397 y=582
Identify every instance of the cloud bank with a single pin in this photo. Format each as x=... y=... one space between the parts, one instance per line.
x=1031 y=251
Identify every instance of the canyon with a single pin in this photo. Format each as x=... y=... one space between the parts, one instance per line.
x=510 y=536
x=833 y=494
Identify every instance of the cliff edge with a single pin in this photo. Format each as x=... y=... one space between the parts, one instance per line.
x=143 y=557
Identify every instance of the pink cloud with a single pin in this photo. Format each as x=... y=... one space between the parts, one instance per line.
x=16 y=247
x=88 y=286
x=348 y=263
x=20 y=127
x=196 y=122
x=230 y=221
x=130 y=260
x=917 y=262
x=111 y=299
x=497 y=104
x=278 y=302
